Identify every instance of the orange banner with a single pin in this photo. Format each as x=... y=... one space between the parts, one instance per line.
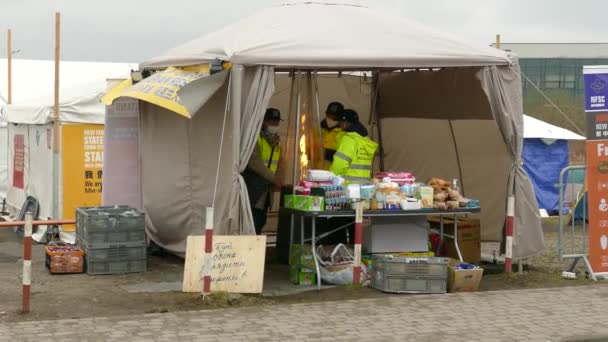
x=82 y=167
x=597 y=185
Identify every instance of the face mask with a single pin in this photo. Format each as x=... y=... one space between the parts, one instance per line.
x=273 y=129
x=331 y=123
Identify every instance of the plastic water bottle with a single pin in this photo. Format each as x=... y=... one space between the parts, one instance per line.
x=455 y=186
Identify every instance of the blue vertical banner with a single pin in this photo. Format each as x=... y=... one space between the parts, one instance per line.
x=596 y=88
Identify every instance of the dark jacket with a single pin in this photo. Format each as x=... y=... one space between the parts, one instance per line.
x=358 y=128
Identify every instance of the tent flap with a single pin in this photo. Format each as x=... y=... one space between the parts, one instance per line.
x=503 y=88
x=179 y=159
x=195 y=94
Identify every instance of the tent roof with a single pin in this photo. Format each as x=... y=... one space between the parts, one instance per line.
x=326 y=34
x=81 y=84
x=534 y=128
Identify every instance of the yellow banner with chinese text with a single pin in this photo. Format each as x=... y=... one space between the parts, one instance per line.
x=161 y=88
x=82 y=167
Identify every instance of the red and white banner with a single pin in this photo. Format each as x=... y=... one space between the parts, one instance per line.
x=19 y=161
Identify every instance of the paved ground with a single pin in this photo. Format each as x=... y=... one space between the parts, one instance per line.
x=564 y=314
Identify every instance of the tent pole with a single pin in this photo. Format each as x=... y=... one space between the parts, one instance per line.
x=56 y=102
x=374 y=114
x=316 y=85
x=457 y=157
x=297 y=132
x=288 y=153
x=308 y=103
x=56 y=146
x=9 y=62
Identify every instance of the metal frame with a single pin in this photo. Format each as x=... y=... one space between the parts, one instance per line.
x=373 y=213
x=584 y=255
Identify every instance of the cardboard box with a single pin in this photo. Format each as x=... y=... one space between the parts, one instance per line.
x=463 y=280
x=302 y=269
x=426 y=196
x=305 y=203
x=396 y=234
x=302 y=277
x=302 y=256
x=469 y=238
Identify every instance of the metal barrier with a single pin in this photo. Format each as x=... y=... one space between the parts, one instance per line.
x=569 y=248
x=29 y=223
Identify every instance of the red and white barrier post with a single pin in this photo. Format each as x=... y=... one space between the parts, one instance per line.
x=358 y=240
x=208 y=251
x=27 y=264
x=509 y=235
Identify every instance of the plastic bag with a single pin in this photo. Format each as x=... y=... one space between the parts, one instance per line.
x=336 y=265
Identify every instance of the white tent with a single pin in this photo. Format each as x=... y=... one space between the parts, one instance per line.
x=30 y=118
x=535 y=128
x=462 y=117
x=80 y=87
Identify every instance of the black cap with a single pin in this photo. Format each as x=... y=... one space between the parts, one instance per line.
x=349 y=115
x=272 y=114
x=334 y=108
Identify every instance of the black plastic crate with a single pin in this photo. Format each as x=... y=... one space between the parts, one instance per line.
x=116 y=253
x=112 y=238
x=109 y=225
x=95 y=267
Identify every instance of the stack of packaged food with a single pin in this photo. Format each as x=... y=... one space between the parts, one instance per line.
x=386 y=191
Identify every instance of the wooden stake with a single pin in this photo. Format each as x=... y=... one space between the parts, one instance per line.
x=9 y=59
x=56 y=106
x=498 y=41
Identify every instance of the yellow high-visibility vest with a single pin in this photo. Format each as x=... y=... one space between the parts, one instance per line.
x=354 y=158
x=270 y=154
x=331 y=137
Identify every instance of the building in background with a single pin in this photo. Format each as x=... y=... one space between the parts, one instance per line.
x=557 y=70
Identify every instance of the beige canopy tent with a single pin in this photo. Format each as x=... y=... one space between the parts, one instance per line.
x=440 y=106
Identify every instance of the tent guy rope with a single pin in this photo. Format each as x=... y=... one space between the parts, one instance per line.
x=552 y=103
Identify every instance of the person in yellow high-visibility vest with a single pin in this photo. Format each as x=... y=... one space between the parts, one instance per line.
x=354 y=156
x=261 y=173
x=331 y=131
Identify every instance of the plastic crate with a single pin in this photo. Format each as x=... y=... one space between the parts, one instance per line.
x=84 y=213
x=111 y=238
x=64 y=259
x=117 y=253
x=427 y=267
x=404 y=284
x=115 y=267
x=110 y=226
x=399 y=274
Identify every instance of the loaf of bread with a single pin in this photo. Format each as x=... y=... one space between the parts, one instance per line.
x=439 y=184
x=440 y=196
x=453 y=204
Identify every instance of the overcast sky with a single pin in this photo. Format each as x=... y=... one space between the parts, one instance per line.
x=133 y=31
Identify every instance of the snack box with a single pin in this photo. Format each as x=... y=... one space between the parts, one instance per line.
x=305 y=203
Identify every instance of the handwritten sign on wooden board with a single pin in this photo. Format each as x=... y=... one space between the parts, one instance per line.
x=237 y=264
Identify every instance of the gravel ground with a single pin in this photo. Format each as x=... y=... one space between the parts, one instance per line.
x=548 y=261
